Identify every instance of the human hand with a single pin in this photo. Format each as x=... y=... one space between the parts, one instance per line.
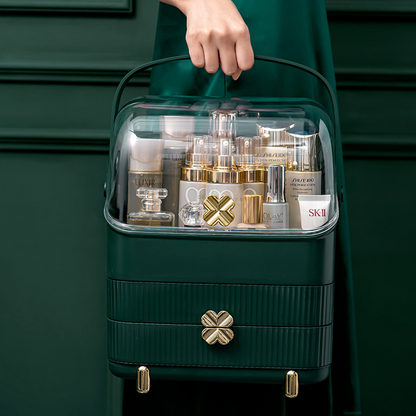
x=216 y=35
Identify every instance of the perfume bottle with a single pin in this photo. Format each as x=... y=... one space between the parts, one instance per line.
x=276 y=209
x=151 y=215
x=252 y=213
x=192 y=187
x=247 y=160
x=224 y=178
x=192 y=214
x=303 y=175
x=145 y=167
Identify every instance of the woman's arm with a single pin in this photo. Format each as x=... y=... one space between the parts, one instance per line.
x=216 y=35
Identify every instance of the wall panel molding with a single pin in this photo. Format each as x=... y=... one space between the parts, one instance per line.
x=55 y=140
x=377 y=78
x=70 y=72
x=110 y=73
x=371 y=6
x=368 y=146
x=115 y=6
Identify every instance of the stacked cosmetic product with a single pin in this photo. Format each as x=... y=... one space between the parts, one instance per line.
x=219 y=180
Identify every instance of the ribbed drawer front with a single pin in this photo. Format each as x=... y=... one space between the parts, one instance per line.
x=252 y=347
x=185 y=303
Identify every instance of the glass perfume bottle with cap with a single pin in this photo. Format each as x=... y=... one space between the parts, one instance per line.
x=252 y=213
x=303 y=175
x=224 y=178
x=192 y=214
x=192 y=187
x=152 y=215
x=247 y=160
x=276 y=209
x=145 y=166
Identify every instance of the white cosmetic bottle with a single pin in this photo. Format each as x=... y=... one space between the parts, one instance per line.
x=276 y=209
x=192 y=187
x=303 y=174
x=224 y=178
x=247 y=161
x=145 y=167
x=273 y=147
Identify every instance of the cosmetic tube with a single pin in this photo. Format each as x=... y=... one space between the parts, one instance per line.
x=224 y=178
x=145 y=167
x=303 y=174
x=252 y=213
x=276 y=209
x=192 y=187
x=247 y=160
x=314 y=210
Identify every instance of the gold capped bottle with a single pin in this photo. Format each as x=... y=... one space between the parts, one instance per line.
x=247 y=160
x=303 y=174
x=152 y=214
x=252 y=213
x=192 y=187
x=145 y=166
x=224 y=179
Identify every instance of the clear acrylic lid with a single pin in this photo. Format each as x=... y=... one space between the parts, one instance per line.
x=198 y=157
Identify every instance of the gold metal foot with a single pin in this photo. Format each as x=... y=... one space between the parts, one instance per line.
x=143 y=379
x=292 y=384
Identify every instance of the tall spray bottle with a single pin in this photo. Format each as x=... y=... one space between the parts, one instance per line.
x=303 y=174
x=247 y=160
x=224 y=178
x=192 y=187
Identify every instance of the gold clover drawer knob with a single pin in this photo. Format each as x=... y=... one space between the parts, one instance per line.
x=219 y=210
x=217 y=327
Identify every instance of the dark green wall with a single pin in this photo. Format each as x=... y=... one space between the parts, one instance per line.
x=58 y=72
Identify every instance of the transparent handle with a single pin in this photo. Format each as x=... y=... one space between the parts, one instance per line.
x=141 y=68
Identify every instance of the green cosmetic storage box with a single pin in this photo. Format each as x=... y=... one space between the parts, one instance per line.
x=191 y=299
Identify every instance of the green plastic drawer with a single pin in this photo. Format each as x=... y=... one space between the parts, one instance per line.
x=252 y=347
x=250 y=305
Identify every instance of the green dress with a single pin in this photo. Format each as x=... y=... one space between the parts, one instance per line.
x=296 y=30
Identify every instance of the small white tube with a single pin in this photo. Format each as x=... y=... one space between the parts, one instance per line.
x=314 y=210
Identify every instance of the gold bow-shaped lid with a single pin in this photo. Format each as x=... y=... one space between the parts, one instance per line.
x=219 y=211
x=217 y=327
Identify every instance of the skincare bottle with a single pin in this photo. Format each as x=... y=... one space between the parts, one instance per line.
x=252 y=213
x=247 y=160
x=224 y=178
x=303 y=175
x=273 y=146
x=152 y=215
x=145 y=167
x=192 y=187
x=276 y=210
